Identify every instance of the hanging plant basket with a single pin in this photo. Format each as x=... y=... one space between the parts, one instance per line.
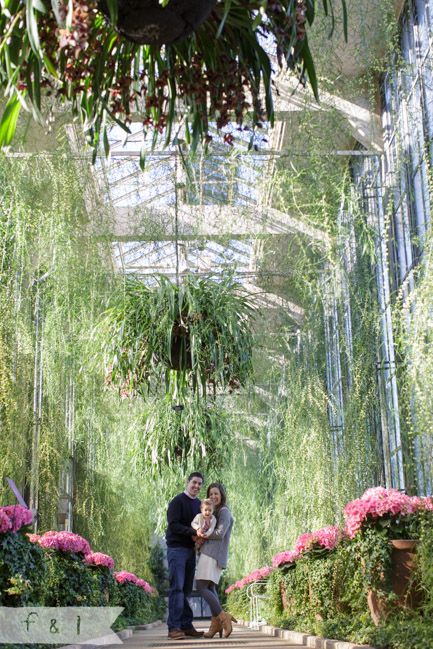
x=150 y=22
x=197 y=335
x=199 y=61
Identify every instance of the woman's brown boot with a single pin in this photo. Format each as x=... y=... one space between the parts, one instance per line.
x=225 y=619
x=215 y=627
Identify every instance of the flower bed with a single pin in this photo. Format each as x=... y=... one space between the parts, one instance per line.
x=60 y=569
x=325 y=579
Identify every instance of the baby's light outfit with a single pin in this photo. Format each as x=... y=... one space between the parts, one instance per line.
x=206 y=524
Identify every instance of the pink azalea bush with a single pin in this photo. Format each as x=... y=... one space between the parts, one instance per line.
x=304 y=542
x=17 y=515
x=327 y=538
x=256 y=575
x=64 y=541
x=122 y=576
x=380 y=503
x=143 y=584
x=284 y=557
x=5 y=521
x=99 y=559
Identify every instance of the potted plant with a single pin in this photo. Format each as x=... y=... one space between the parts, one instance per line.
x=386 y=524
x=112 y=59
x=315 y=546
x=196 y=335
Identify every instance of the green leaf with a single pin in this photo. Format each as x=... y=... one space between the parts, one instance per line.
x=55 y=5
x=227 y=5
x=112 y=10
x=106 y=142
x=309 y=67
x=69 y=15
x=9 y=121
x=143 y=155
x=32 y=28
x=343 y=2
x=50 y=67
x=310 y=11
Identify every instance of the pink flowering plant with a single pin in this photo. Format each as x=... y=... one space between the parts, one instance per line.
x=71 y=581
x=393 y=513
x=102 y=565
x=99 y=559
x=64 y=542
x=317 y=543
x=134 y=594
x=14 y=517
x=23 y=571
x=257 y=575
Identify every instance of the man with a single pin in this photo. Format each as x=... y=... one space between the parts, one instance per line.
x=180 y=539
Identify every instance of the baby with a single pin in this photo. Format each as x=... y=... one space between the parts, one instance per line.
x=205 y=521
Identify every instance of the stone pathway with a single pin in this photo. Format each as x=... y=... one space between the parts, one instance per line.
x=242 y=637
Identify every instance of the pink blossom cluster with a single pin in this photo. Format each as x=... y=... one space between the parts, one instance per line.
x=256 y=575
x=327 y=537
x=379 y=502
x=143 y=584
x=5 y=521
x=34 y=538
x=304 y=542
x=99 y=559
x=284 y=557
x=422 y=503
x=64 y=541
x=17 y=517
x=123 y=576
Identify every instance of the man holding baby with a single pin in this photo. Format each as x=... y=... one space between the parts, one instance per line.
x=190 y=525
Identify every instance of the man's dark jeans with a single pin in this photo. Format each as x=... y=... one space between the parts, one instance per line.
x=181 y=568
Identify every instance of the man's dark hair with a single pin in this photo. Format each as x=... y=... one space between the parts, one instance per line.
x=195 y=474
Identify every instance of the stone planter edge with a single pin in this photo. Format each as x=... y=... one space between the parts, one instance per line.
x=307 y=640
x=122 y=635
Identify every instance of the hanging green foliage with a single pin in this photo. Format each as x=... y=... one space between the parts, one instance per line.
x=197 y=334
x=199 y=434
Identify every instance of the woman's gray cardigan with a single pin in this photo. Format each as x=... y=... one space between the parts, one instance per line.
x=217 y=544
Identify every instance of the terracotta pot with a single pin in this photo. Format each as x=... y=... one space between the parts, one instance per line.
x=146 y=21
x=287 y=603
x=402 y=558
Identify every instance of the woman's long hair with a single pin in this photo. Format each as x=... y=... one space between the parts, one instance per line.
x=223 y=503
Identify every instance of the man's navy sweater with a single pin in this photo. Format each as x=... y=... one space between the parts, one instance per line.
x=180 y=514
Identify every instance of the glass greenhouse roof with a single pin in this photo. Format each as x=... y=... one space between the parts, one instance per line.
x=194 y=257
x=225 y=176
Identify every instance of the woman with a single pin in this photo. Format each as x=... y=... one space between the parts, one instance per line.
x=213 y=559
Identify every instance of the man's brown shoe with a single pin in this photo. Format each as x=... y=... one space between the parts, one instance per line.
x=193 y=632
x=176 y=634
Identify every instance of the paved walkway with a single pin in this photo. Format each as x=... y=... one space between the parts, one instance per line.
x=241 y=637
